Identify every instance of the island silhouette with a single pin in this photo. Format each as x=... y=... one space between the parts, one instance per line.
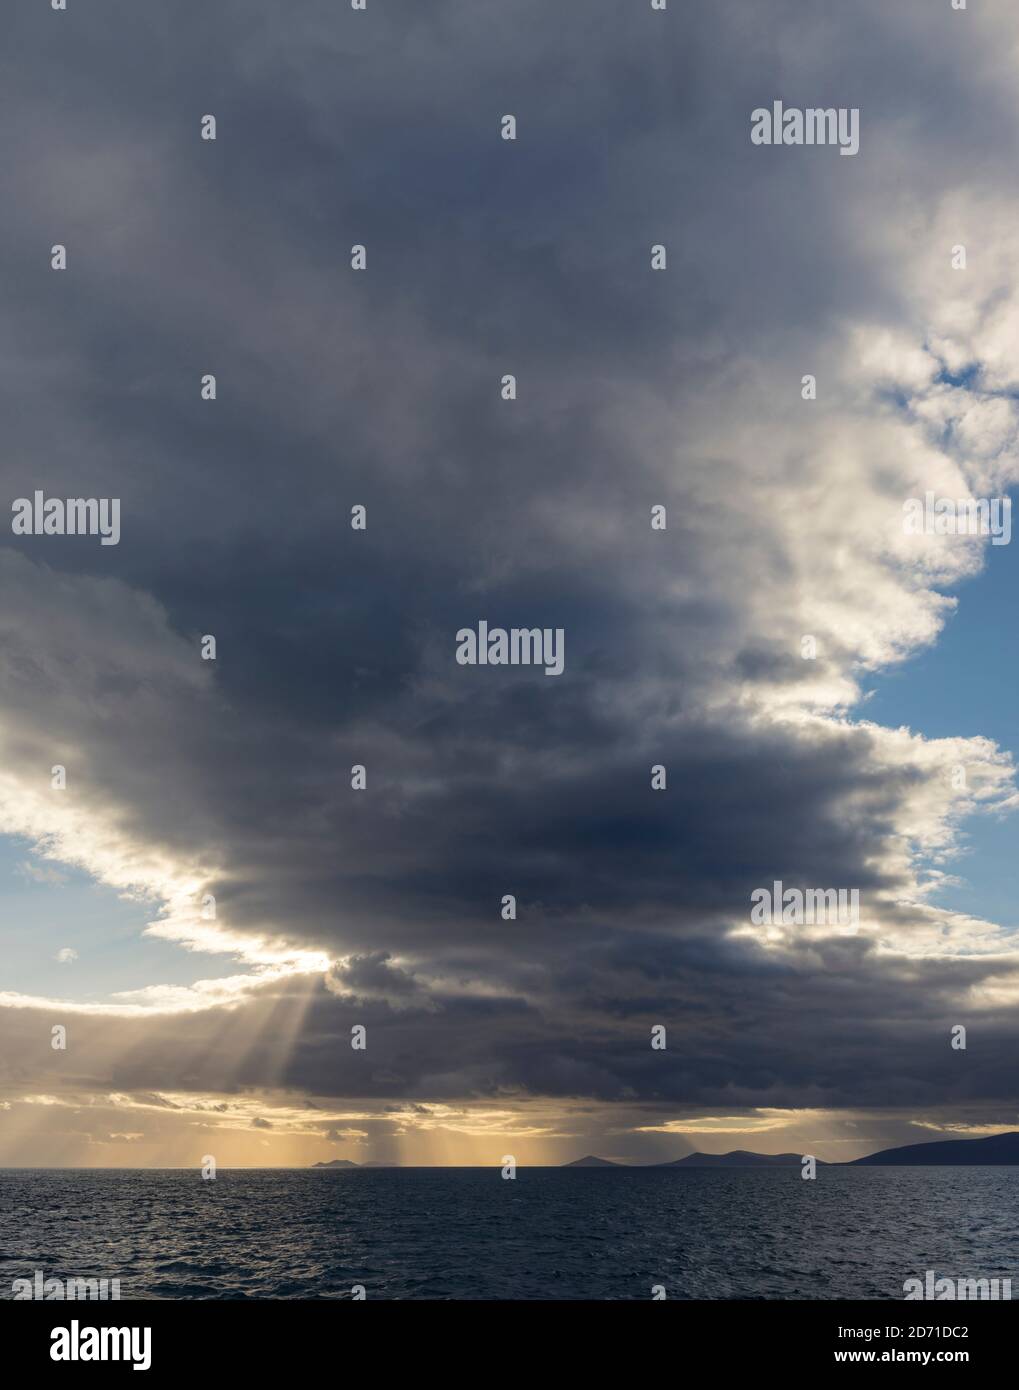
x=993 y=1149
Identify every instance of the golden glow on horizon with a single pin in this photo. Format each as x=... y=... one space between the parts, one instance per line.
x=242 y=1130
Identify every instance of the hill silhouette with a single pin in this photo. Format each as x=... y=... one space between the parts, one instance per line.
x=995 y=1148
x=737 y=1158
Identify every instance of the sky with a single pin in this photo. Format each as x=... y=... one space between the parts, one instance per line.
x=339 y=909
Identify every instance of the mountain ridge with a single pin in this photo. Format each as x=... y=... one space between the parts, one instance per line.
x=996 y=1149
x=991 y=1150
x=736 y=1158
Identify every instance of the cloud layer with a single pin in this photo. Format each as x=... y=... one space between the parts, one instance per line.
x=636 y=388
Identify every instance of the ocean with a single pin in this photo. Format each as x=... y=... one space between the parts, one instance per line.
x=550 y=1233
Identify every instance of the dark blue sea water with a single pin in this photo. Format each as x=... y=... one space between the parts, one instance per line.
x=550 y=1233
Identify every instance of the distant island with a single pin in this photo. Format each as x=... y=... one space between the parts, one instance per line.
x=996 y=1149
x=738 y=1158
x=348 y=1163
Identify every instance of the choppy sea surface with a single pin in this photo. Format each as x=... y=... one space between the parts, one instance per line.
x=550 y=1233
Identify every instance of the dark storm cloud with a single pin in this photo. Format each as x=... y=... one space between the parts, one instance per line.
x=336 y=647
